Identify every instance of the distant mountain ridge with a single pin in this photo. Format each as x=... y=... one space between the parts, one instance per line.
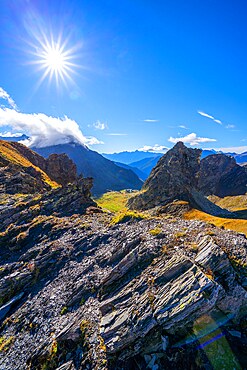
x=106 y=174
x=14 y=138
x=130 y=157
x=149 y=160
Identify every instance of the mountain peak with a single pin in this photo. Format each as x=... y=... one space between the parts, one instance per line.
x=180 y=174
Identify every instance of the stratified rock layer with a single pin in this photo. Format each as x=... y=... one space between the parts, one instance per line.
x=80 y=294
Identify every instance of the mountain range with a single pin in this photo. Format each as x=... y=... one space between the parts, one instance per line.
x=144 y=162
x=106 y=174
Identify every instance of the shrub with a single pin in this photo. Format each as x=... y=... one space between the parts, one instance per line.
x=127 y=216
x=155 y=231
x=5 y=343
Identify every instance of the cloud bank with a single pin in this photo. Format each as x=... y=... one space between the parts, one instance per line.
x=156 y=148
x=191 y=139
x=233 y=149
x=11 y=134
x=44 y=130
x=5 y=96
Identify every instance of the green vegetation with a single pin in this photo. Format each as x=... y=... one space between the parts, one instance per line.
x=180 y=234
x=5 y=343
x=233 y=203
x=126 y=216
x=83 y=300
x=114 y=201
x=64 y=310
x=155 y=231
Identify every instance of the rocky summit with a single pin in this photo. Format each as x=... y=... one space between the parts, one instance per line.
x=181 y=175
x=81 y=288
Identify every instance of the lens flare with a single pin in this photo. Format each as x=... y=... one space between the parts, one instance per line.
x=55 y=59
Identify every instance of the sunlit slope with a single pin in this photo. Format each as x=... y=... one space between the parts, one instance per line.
x=227 y=223
x=17 y=154
x=236 y=203
x=114 y=201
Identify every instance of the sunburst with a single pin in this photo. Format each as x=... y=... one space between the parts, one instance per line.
x=55 y=59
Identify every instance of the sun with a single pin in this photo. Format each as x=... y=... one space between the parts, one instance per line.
x=55 y=59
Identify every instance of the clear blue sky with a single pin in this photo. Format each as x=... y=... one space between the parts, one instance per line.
x=146 y=68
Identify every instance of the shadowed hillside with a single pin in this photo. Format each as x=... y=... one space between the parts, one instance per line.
x=107 y=175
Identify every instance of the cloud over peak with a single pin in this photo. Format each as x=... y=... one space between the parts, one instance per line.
x=191 y=139
x=43 y=130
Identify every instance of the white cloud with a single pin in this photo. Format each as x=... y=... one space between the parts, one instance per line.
x=150 y=120
x=154 y=148
x=191 y=139
x=100 y=125
x=44 y=130
x=233 y=149
x=209 y=116
x=11 y=134
x=230 y=126
x=116 y=134
x=183 y=127
x=4 y=95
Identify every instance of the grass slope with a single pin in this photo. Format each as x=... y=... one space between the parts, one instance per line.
x=235 y=203
x=114 y=201
x=10 y=153
x=227 y=223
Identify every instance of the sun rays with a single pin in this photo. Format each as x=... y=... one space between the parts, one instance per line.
x=55 y=59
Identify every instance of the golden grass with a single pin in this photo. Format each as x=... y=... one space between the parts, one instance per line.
x=125 y=216
x=11 y=154
x=156 y=231
x=228 y=223
x=114 y=201
x=234 y=203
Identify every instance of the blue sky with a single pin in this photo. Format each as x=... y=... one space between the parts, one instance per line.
x=143 y=70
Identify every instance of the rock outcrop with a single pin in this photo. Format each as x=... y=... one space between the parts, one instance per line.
x=176 y=176
x=61 y=169
x=220 y=175
x=24 y=171
x=79 y=294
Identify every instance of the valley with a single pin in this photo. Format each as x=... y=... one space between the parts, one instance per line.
x=95 y=283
